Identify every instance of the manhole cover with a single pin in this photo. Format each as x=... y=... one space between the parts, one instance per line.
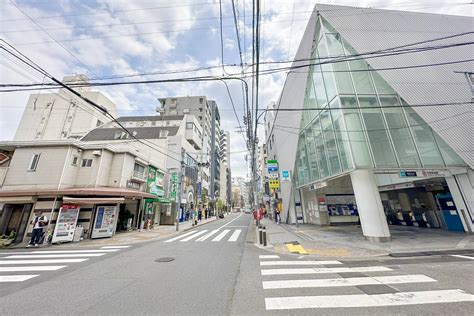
x=164 y=259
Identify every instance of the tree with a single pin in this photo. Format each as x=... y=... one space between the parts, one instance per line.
x=220 y=204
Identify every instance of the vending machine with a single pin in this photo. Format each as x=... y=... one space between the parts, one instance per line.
x=66 y=223
x=105 y=222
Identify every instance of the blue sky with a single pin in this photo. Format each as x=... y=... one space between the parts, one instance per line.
x=117 y=37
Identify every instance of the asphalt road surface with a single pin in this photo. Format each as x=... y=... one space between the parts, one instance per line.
x=216 y=269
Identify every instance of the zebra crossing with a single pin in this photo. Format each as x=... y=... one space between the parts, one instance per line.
x=17 y=266
x=215 y=235
x=283 y=281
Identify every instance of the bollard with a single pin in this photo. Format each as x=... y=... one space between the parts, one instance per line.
x=264 y=236
x=260 y=235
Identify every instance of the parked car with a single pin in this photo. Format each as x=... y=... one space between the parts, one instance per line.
x=247 y=211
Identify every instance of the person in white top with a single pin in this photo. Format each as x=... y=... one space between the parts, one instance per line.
x=38 y=222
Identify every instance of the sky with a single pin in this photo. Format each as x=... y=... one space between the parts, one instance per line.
x=103 y=38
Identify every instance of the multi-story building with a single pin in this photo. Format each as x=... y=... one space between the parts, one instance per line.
x=225 y=170
x=202 y=109
x=384 y=138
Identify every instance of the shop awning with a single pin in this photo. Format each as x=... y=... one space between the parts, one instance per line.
x=75 y=192
x=104 y=200
x=17 y=199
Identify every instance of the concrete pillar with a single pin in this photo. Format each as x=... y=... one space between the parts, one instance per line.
x=404 y=200
x=371 y=213
x=462 y=193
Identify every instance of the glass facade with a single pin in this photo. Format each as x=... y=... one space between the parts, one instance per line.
x=355 y=119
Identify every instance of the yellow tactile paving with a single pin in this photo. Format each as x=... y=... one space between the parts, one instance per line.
x=296 y=249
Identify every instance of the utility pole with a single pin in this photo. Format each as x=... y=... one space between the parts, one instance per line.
x=180 y=176
x=213 y=156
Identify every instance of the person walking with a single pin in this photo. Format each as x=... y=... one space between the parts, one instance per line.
x=205 y=213
x=199 y=214
x=38 y=222
x=277 y=216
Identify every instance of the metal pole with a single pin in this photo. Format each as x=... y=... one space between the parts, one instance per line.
x=179 y=188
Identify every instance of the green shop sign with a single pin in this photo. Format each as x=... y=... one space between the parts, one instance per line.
x=155 y=182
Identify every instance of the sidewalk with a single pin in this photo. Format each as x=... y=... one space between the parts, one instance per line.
x=348 y=241
x=132 y=237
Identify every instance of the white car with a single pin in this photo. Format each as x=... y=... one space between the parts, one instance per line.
x=247 y=211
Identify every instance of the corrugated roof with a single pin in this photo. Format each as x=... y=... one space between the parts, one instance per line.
x=141 y=133
x=374 y=29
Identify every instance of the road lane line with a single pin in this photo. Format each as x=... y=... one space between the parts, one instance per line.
x=115 y=247
x=180 y=236
x=221 y=235
x=41 y=261
x=230 y=221
x=297 y=263
x=365 y=300
x=235 y=235
x=464 y=257
x=31 y=268
x=323 y=270
x=202 y=238
x=71 y=255
x=269 y=257
x=16 y=278
x=195 y=235
x=398 y=279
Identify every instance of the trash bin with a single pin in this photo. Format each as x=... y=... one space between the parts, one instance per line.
x=78 y=233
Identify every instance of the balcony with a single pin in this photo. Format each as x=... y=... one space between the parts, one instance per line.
x=138 y=176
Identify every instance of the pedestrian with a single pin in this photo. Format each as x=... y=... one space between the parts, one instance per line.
x=38 y=222
x=278 y=216
x=205 y=213
x=200 y=215
x=187 y=215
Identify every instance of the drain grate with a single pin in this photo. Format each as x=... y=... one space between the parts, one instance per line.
x=164 y=259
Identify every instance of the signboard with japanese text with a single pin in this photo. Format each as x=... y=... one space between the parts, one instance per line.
x=274 y=184
x=285 y=176
x=155 y=182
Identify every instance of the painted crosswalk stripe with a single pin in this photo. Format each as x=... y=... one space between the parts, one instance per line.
x=298 y=263
x=212 y=232
x=31 y=268
x=464 y=257
x=235 y=235
x=397 y=279
x=323 y=270
x=180 y=236
x=114 y=247
x=41 y=261
x=195 y=235
x=221 y=235
x=70 y=255
x=365 y=300
x=73 y=251
x=269 y=257
x=16 y=278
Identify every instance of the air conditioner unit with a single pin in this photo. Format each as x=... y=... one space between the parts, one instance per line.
x=97 y=153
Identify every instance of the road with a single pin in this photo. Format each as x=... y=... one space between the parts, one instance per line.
x=217 y=270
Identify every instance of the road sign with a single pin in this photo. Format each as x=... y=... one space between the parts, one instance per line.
x=285 y=176
x=274 y=184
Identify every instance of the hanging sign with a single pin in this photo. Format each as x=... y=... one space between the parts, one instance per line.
x=274 y=184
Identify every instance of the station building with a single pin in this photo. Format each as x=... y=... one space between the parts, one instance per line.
x=385 y=134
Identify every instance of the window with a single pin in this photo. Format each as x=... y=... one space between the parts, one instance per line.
x=139 y=171
x=99 y=123
x=163 y=133
x=34 y=162
x=120 y=135
x=153 y=123
x=86 y=163
x=75 y=159
x=201 y=100
x=189 y=125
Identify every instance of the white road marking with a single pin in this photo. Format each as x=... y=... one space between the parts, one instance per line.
x=180 y=236
x=221 y=235
x=291 y=284
x=71 y=255
x=16 y=278
x=464 y=242
x=115 y=247
x=31 y=268
x=323 y=270
x=297 y=263
x=235 y=235
x=464 y=257
x=269 y=257
x=202 y=238
x=365 y=300
x=195 y=235
x=40 y=261
x=230 y=221
x=74 y=251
